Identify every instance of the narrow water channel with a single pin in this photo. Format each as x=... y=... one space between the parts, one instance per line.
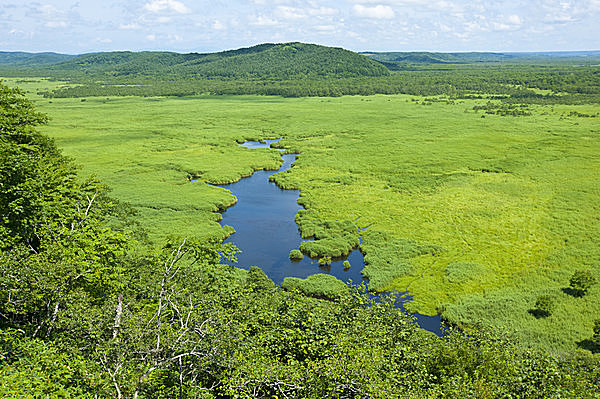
x=265 y=232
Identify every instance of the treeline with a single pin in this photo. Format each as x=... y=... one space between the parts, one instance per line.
x=86 y=310
x=563 y=85
x=400 y=60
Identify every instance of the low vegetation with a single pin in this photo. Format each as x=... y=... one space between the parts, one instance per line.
x=296 y=255
x=322 y=286
x=468 y=214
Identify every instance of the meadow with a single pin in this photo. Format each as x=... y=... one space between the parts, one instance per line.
x=475 y=214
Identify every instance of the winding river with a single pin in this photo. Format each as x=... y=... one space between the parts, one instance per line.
x=265 y=232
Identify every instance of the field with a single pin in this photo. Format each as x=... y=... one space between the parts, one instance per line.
x=475 y=214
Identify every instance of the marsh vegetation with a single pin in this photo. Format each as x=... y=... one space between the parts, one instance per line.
x=468 y=214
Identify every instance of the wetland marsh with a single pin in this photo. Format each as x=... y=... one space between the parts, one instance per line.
x=474 y=214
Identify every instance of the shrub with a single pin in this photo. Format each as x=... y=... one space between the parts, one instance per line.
x=296 y=255
x=581 y=281
x=544 y=305
x=324 y=286
x=596 y=336
x=325 y=261
x=258 y=280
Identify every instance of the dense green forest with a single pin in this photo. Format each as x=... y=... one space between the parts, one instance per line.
x=276 y=61
x=298 y=70
x=88 y=310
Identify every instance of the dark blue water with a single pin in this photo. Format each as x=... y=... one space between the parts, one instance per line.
x=265 y=232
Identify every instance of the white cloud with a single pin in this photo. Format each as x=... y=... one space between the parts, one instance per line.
x=325 y=28
x=559 y=18
x=514 y=20
x=48 y=10
x=287 y=12
x=290 y=12
x=218 y=25
x=55 y=24
x=501 y=26
x=395 y=2
x=151 y=37
x=157 y=6
x=261 y=20
x=131 y=26
x=472 y=27
x=430 y=4
x=377 y=12
x=326 y=11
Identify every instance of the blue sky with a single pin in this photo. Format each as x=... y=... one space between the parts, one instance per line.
x=70 y=26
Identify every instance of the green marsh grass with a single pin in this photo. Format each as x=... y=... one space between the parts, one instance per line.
x=511 y=202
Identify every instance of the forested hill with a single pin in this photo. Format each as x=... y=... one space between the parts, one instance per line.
x=274 y=61
x=19 y=58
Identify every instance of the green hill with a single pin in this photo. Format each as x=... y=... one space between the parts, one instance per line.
x=19 y=58
x=273 y=61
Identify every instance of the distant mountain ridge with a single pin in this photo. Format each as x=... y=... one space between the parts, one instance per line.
x=269 y=60
x=278 y=61
x=20 y=58
x=392 y=58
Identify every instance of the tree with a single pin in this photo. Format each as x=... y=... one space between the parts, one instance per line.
x=544 y=305
x=596 y=336
x=581 y=281
x=24 y=154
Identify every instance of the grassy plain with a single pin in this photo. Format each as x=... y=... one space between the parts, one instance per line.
x=475 y=215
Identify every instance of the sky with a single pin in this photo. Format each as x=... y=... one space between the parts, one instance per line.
x=76 y=27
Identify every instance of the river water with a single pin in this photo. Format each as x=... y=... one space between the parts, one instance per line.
x=265 y=232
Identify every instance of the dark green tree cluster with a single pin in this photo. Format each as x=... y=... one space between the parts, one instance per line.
x=581 y=282
x=87 y=311
x=503 y=109
x=544 y=305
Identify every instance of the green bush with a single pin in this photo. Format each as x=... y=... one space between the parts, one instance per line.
x=325 y=261
x=334 y=239
x=324 y=286
x=296 y=255
x=581 y=281
x=544 y=305
x=258 y=280
x=596 y=336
